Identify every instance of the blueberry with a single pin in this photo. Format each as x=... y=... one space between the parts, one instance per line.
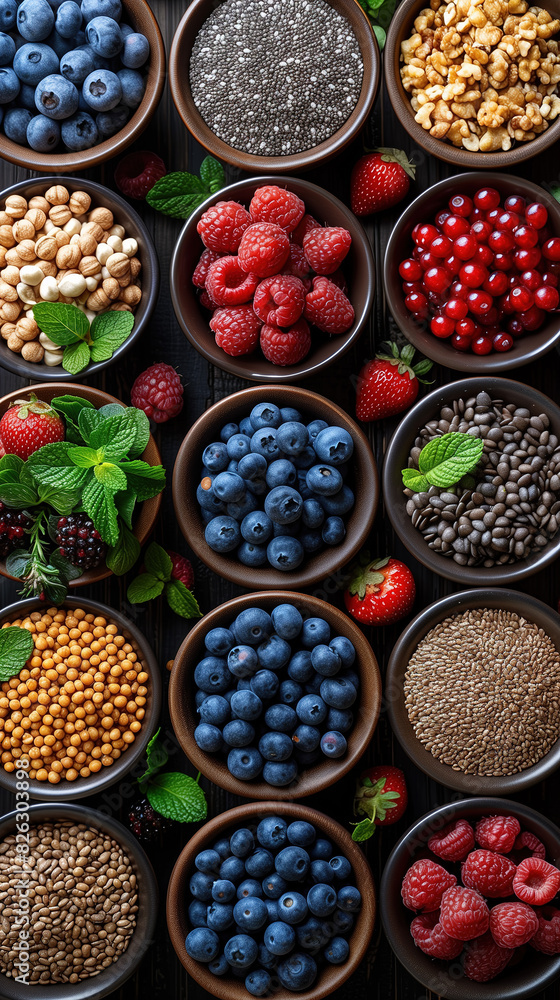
x=324 y=480
x=341 y=867
x=337 y=692
x=256 y=527
x=238 y=733
x=222 y=847
x=102 y=90
x=246 y=705
x=352 y=677
x=257 y=487
x=26 y=99
x=208 y=738
x=334 y=531
x=333 y=744
x=241 y=951
x=281 y=718
x=301 y=834
x=313 y=934
x=325 y=660
x=337 y=950
x=321 y=871
x=272 y=910
x=285 y=553
x=56 y=97
x=232 y=869
x=273 y=653
x=314 y=428
x=306 y=759
x=257 y=983
x=297 y=972
x=245 y=763
x=279 y=937
x=207 y=499
x=311 y=541
x=104 y=36
x=345 y=650
x=95 y=8
x=289 y=413
x=274 y=886
x=242 y=661
x=68 y=19
x=76 y=65
x=205 y=515
x=252 y=626
x=79 y=132
x=283 y=505
x=245 y=426
x=200 y=697
x=340 y=719
x=136 y=51
x=207 y=861
x=342 y=921
x=238 y=446
x=292 y=863
x=300 y=668
x=35 y=20
x=271 y=832
x=264 y=683
x=280 y=773
x=250 y=913
x=197 y=913
x=349 y=899
x=223 y=891
x=239 y=509
x=111 y=122
x=233 y=465
x=311 y=710
x=222 y=534
x=228 y=430
x=292 y=437
x=334 y=445
x=219 y=641
x=219 y=916
x=315 y=631
x=16 y=123
x=249 y=887
x=243 y=684
x=305 y=459
x=8 y=51
x=265 y=957
x=287 y=530
x=200 y=886
x=252 y=466
x=259 y=863
x=9 y=85
x=8 y=13
x=211 y=675
x=275 y=746
x=312 y=514
x=292 y=907
x=321 y=900
x=202 y=944
x=281 y=472
x=290 y=692
x=215 y=456
x=322 y=849
x=219 y=966
x=252 y=555
x=313 y=685
x=307 y=738
x=339 y=504
x=265 y=415
x=264 y=443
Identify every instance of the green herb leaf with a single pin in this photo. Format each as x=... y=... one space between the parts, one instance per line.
x=111 y=409
x=17 y=563
x=157 y=562
x=63 y=323
x=125 y=501
x=415 y=481
x=177 y=796
x=156 y=758
x=115 y=434
x=70 y=408
x=122 y=556
x=142 y=434
x=363 y=831
x=110 y=476
x=144 y=588
x=212 y=174
x=99 y=504
x=84 y=458
x=66 y=569
x=110 y=330
x=76 y=357
x=381 y=36
x=18 y=495
x=51 y=465
x=444 y=460
x=11 y=463
x=181 y=600
x=146 y=480
x=88 y=420
x=16 y=646
x=177 y=194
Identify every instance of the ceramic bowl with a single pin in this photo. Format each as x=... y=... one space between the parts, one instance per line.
x=186 y=473
x=183 y=711
x=228 y=988
x=424 y=208
x=533 y=973
x=397 y=459
x=179 y=60
x=115 y=975
x=358 y=266
x=124 y=215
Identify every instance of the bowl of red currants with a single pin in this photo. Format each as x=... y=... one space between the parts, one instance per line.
x=472 y=272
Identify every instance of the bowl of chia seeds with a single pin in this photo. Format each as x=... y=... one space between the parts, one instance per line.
x=473 y=688
x=498 y=524
x=268 y=86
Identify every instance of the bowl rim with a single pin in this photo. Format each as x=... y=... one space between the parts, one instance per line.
x=259 y=579
x=305 y=368
x=250 y=162
x=108 y=980
x=14 y=362
x=441 y=351
x=81 y=788
x=479 y=597
x=230 y=989
x=393 y=496
x=424 y=969
x=181 y=685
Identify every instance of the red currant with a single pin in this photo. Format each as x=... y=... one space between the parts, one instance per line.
x=531 y=279
x=527 y=260
x=412 y=286
x=416 y=302
x=441 y=246
x=536 y=214
x=473 y=275
x=551 y=249
x=515 y=203
x=493 y=216
x=490 y=318
x=481 y=345
x=416 y=253
x=441 y=217
x=481 y=231
x=458 y=290
x=479 y=302
x=532 y=319
x=442 y=326
x=437 y=279
x=496 y=283
x=502 y=342
x=547 y=298
x=456 y=308
x=503 y=261
x=477 y=215
x=515 y=327
x=484 y=255
x=465 y=247
x=436 y=299
x=454 y=226
x=487 y=198
x=461 y=204
x=453 y=264
x=501 y=242
x=526 y=237
x=468 y=328
x=521 y=298
x=544 y=234
x=508 y=221
x=506 y=305
x=460 y=342
x=428 y=260
x=424 y=234
x=410 y=270
x=549 y=278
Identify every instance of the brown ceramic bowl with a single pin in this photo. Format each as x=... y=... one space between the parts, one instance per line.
x=424 y=209
x=147 y=512
x=124 y=215
x=139 y=15
x=358 y=266
x=115 y=975
x=228 y=988
x=397 y=459
x=531 y=974
x=470 y=784
x=183 y=710
x=107 y=776
x=179 y=64
x=401 y=28
x=186 y=472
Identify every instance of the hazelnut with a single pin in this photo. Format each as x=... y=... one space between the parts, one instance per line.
x=79 y=203
x=73 y=228
x=7 y=329
x=26 y=295
x=26 y=328
x=60 y=215
x=48 y=289
x=89 y=266
x=2 y=256
x=12 y=257
x=72 y=285
x=36 y=217
x=39 y=202
x=5 y=219
x=57 y=194
x=103 y=217
x=131 y=295
x=68 y=256
x=7 y=238
x=32 y=352
x=62 y=238
x=15 y=206
x=26 y=250
x=121 y=307
x=23 y=229
x=135 y=267
x=94 y=230
x=10 y=274
x=98 y=300
x=117 y=231
x=10 y=311
x=92 y=283
x=111 y=288
x=118 y=265
x=88 y=244
x=48 y=267
x=31 y=274
x=15 y=343
x=8 y=292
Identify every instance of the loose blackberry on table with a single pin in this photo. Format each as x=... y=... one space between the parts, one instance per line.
x=79 y=541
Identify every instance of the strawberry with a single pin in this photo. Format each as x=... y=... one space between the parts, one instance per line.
x=381 y=796
x=27 y=425
x=389 y=384
x=381 y=592
x=380 y=180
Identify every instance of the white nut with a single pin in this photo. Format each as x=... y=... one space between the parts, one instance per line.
x=49 y=224
x=117 y=231
x=91 y=283
x=47 y=343
x=115 y=243
x=82 y=299
x=75 y=240
x=103 y=252
x=72 y=227
x=26 y=293
x=53 y=358
x=31 y=274
x=48 y=290
x=72 y=285
x=90 y=314
x=105 y=273
x=129 y=247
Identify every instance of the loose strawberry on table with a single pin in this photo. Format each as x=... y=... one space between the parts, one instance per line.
x=389 y=384
x=381 y=796
x=381 y=592
x=380 y=180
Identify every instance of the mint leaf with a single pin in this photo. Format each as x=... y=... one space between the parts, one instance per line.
x=122 y=556
x=88 y=420
x=144 y=588
x=381 y=36
x=146 y=480
x=111 y=409
x=125 y=501
x=142 y=433
x=115 y=434
x=63 y=323
x=16 y=646
x=110 y=476
x=110 y=330
x=156 y=757
x=17 y=563
x=157 y=562
x=18 y=495
x=177 y=194
x=63 y=501
x=363 y=831
x=177 y=796
x=76 y=357
x=83 y=458
x=70 y=408
x=444 y=460
x=212 y=174
x=11 y=463
x=51 y=465
x=99 y=504
x=181 y=600
x=415 y=481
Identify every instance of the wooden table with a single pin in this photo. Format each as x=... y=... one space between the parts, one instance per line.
x=160 y=976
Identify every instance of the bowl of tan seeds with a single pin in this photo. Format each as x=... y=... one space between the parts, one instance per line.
x=473 y=685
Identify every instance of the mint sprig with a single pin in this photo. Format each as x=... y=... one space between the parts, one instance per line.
x=158 y=580
x=16 y=646
x=178 y=194
x=379 y=13
x=444 y=461
x=174 y=795
x=68 y=327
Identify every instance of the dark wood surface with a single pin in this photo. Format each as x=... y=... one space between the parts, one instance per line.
x=160 y=976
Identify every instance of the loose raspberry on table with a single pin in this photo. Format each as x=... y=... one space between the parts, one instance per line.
x=138 y=172
x=297 y=263
x=528 y=841
x=454 y=842
x=497 y=833
x=222 y=226
x=228 y=284
x=264 y=249
x=207 y=257
x=326 y=248
x=431 y=938
x=547 y=936
x=464 y=913
x=328 y=308
x=304 y=227
x=536 y=881
x=285 y=347
x=159 y=392
x=236 y=329
x=182 y=569
x=271 y=203
x=490 y=873
x=512 y=924
x=424 y=884
x=484 y=959
x=279 y=300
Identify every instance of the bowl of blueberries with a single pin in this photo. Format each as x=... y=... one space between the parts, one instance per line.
x=275 y=693
x=275 y=487
x=79 y=80
x=264 y=899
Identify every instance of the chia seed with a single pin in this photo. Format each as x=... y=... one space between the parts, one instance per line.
x=273 y=78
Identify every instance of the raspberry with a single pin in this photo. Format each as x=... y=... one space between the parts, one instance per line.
x=207 y=302
x=158 y=391
x=285 y=347
x=547 y=937
x=431 y=938
x=454 y=842
x=464 y=913
x=304 y=227
x=531 y=843
x=326 y=248
x=536 y=881
x=490 y=873
x=484 y=959
x=236 y=329
x=137 y=173
x=274 y=204
x=264 y=249
x=328 y=308
x=222 y=226
x=297 y=263
x=207 y=257
x=339 y=280
x=145 y=823
x=79 y=541
x=182 y=569
x=228 y=284
x=424 y=885
x=279 y=300
x=13 y=525
x=512 y=924
x=497 y=833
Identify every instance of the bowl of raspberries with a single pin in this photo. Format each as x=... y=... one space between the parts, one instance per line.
x=275 y=693
x=272 y=279
x=470 y=900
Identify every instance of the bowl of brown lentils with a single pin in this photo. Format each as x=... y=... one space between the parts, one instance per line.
x=103 y=881
x=81 y=711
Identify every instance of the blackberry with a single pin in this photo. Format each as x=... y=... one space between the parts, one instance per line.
x=80 y=542
x=13 y=525
x=145 y=823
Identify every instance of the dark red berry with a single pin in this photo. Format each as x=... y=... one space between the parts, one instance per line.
x=515 y=203
x=546 y=297
x=461 y=205
x=159 y=392
x=502 y=342
x=551 y=249
x=79 y=541
x=145 y=823
x=442 y=326
x=482 y=345
x=13 y=525
x=536 y=214
x=137 y=173
x=455 y=226
x=410 y=270
x=487 y=199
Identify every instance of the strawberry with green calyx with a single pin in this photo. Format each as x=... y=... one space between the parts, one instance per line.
x=164 y=798
x=379 y=180
x=28 y=424
x=389 y=383
x=169 y=574
x=381 y=591
x=381 y=796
